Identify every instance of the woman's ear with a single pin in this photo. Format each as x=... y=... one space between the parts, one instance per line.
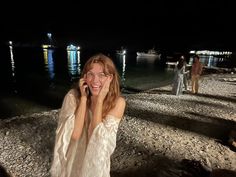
x=111 y=77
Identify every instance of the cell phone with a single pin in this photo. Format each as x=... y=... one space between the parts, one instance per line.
x=87 y=90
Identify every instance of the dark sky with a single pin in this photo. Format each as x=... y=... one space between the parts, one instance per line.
x=168 y=23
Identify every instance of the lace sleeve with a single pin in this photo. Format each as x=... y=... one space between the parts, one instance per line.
x=101 y=145
x=63 y=134
x=105 y=133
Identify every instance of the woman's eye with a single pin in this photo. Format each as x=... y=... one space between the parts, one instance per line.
x=102 y=75
x=89 y=75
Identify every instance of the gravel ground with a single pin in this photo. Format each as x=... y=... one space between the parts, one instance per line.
x=161 y=134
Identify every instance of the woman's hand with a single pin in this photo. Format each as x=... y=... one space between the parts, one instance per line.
x=83 y=86
x=105 y=88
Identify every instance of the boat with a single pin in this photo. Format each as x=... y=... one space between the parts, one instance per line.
x=122 y=51
x=47 y=46
x=72 y=47
x=150 y=53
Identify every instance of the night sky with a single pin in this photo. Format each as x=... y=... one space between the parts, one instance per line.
x=173 y=24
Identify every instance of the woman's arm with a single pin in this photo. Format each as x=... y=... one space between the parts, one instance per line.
x=80 y=112
x=80 y=115
x=63 y=133
x=185 y=70
x=200 y=68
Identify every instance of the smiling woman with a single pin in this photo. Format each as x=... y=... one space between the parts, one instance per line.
x=88 y=123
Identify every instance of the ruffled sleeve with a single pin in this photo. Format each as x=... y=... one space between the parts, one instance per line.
x=63 y=134
x=101 y=145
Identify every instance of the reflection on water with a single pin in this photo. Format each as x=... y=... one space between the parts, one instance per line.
x=122 y=59
x=123 y=69
x=73 y=57
x=121 y=66
x=12 y=60
x=146 y=60
x=48 y=62
x=73 y=63
x=140 y=73
x=13 y=67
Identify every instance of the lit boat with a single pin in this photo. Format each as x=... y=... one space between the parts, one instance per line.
x=72 y=47
x=149 y=53
x=121 y=52
x=46 y=46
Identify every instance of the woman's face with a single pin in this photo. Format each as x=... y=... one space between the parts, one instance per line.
x=95 y=78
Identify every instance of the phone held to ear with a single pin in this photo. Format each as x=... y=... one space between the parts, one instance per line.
x=86 y=89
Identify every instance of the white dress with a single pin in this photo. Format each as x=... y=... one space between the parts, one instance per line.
x=178 y=83
x=82 y=158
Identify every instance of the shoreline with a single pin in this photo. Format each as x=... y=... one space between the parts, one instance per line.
x=15 y=104
x=158 y=132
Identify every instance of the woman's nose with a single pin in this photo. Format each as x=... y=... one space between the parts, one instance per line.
x=96 y=78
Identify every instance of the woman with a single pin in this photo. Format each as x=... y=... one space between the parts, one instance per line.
x=186 y=73
x=178 y=83
x=88 y=122
x=196 y=71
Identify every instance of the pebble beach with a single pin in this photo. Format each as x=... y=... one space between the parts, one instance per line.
x=159 y=130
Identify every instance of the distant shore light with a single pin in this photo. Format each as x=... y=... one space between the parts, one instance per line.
x=208 y=52
x=49 y=35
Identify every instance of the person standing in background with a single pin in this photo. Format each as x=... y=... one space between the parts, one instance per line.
x=180 y=73
x=186 y=73
x=196 y=71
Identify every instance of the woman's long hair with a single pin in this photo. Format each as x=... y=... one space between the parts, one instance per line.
x=195 y=58
x=180 y=63
x=109 y=69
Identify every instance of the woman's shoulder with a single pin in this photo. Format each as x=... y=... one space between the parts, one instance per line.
x=121 y=102
x=69 y=103
x=72 y=94
x=118 y=110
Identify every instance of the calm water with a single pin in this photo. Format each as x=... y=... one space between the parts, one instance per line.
x=35 y=79
x=52 y=66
